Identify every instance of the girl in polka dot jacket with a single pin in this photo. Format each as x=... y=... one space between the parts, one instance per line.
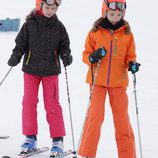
x=42 y=40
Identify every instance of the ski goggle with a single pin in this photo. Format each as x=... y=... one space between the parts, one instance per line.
x=52 y=2
x=115 y=5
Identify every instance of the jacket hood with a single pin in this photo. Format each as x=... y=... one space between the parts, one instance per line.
x=34 y=15
x=30 y=15
x=105 y=24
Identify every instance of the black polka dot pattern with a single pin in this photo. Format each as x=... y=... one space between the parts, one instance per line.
x=42 y=41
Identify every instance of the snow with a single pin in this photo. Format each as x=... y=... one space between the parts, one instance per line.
x=78 y=17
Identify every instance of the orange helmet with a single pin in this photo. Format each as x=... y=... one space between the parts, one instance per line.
x=38 y=4
x=49 y=2
x=113 y=5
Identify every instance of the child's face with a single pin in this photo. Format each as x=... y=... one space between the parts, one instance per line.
x=49 y=11
x=114 y=16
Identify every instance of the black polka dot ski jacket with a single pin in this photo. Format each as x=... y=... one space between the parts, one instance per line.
x=42 y=41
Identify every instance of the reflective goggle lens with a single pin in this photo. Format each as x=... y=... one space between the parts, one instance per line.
x=117 y=5
x=52 y=2
x=121 y=6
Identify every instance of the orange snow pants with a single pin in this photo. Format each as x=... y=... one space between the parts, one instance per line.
x=95 y=116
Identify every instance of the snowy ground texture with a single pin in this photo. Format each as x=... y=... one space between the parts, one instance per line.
x=78 y=17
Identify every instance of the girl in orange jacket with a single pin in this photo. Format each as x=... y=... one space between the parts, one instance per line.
x=113 y=33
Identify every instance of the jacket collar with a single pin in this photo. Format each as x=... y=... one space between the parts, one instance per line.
x=105 y=24
x=44 y=20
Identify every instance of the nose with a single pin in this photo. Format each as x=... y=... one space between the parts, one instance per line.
x=49 y=11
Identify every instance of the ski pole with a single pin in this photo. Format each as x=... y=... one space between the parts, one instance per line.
x=137 y=114
x=5 y=76
x=89 y=102
x=68 y=97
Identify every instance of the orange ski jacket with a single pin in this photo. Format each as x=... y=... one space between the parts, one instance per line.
x=120 y=49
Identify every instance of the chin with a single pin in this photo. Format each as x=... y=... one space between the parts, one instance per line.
x=114 y=23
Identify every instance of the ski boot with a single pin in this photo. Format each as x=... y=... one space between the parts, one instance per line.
x=57 y=147
x=29 y=145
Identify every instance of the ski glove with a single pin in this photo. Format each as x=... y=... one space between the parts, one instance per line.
x=13 y=61
x=97 y=55
x=133 y=66
x=67 y=60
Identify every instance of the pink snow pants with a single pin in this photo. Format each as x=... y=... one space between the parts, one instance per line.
x=51 y=104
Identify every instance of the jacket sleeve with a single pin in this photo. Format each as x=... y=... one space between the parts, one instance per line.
x=89 y=48
x=131 y=54
x=21 y=41
x=64 y=45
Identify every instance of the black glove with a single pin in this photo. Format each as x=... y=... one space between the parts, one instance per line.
x=133 y=66
x=97 y=55
x=13 y=61
x=67 y=60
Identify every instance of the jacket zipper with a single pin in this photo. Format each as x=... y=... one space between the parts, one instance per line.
x=28 y=58
x=110 y=59
x=124 y=75
x=56 y=58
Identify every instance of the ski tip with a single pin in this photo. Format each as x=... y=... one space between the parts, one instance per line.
x=74 y=152
x=4 y=137
x=6 y=157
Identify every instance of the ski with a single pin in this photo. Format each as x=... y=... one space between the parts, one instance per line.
x=65 y=153
x=38 y=151
x=41 y=150
x=4 y=137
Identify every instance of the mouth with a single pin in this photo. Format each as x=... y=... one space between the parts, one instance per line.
x=114 y=22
